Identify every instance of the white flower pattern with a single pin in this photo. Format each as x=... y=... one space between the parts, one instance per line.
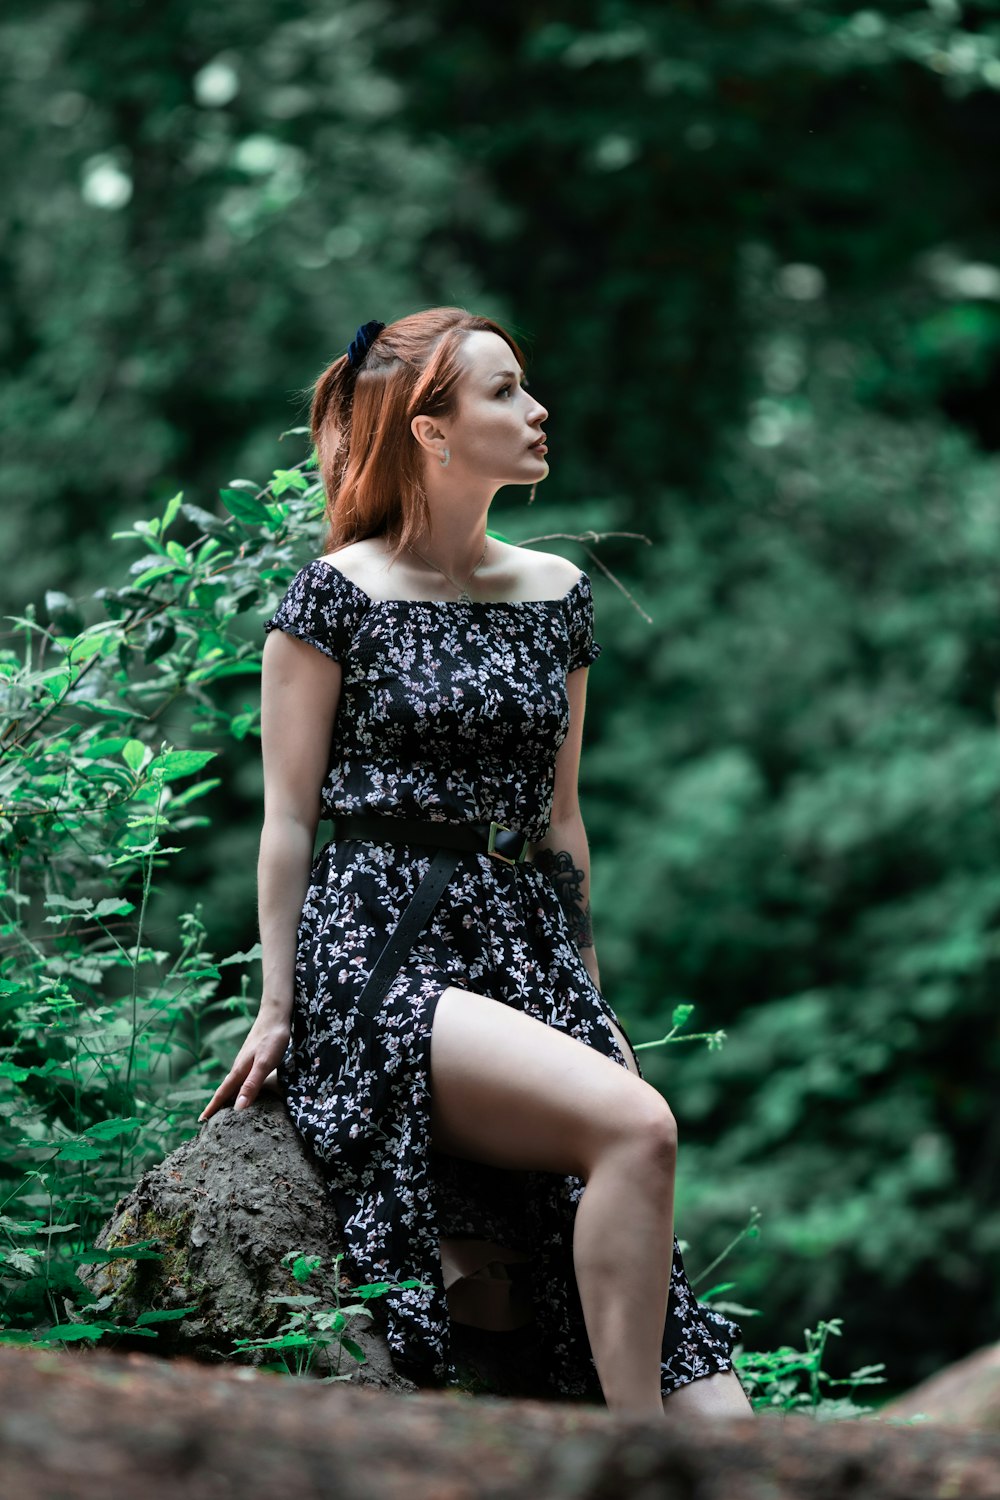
x=451 y=710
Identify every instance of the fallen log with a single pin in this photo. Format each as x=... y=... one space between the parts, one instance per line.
x=964 y=1394
x=87 y=1426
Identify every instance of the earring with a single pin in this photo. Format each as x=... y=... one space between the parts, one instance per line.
x=445 y=458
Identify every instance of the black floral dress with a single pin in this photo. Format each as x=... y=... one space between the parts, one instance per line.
x=451 y=710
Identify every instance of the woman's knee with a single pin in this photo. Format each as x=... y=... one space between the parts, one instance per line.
x=512 y=1091
x=644 y=1128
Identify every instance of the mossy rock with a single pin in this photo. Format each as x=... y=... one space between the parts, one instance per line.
x=223 y=1210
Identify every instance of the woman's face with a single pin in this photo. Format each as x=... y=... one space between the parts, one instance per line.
x=495 y=432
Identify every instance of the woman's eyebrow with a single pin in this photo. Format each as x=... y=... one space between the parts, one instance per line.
x=508 y=375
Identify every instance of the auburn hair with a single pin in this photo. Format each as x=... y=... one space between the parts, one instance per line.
x=369 y=460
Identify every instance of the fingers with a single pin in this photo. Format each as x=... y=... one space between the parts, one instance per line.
x=245 y=1080
x=251 y=1086
x=233 y=1081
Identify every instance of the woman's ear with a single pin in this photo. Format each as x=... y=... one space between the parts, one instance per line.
x=428 y=434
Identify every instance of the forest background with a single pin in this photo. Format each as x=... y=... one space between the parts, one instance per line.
x=753 y=249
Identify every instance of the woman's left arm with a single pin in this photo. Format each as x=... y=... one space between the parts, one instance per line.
x=563 y=854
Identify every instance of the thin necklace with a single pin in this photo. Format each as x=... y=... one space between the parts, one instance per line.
x=463 y=588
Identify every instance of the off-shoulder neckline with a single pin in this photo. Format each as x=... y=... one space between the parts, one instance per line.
x=447 y=603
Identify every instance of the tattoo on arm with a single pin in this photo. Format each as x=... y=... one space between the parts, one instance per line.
x=568 y=881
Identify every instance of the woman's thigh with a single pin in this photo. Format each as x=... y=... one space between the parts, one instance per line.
x=512 y=1092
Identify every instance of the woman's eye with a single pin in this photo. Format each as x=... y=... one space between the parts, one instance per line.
x=503 y=388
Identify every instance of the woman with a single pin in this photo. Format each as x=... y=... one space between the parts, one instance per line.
x=479 y=1115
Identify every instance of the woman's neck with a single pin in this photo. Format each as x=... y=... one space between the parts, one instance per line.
x=455 y=539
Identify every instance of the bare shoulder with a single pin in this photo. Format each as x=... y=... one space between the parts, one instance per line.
x=364 y=562
x=541 y=575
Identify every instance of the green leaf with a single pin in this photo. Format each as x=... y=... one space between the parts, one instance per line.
x=280 y=1341
x=245 y=507
x=681 y=1014
x=86 y=646
x=736 y=1309
x=164 y=1315
x=354 y=1350
x=175 y=763
x=21 y=1226
x=214 y=525
x=250 y=956
x=113 y=710
x=78 y=904
x=288 y=479
x=22 y=1262
x=113 y=906
x=240 y=725
x=134 y=754
x=190 y=793
x=170 y=514
x=50 y=1069
x=162 y=570
x=304 y=1265
x=70 y=1333
x=104 y=749
x=723 y=1286
x=77 y=1151
x=106 y=1130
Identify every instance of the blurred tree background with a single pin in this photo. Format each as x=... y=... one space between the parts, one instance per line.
x=753 y=247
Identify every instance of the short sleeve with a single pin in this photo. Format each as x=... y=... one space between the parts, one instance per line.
x=321 y=607
x=583 y=649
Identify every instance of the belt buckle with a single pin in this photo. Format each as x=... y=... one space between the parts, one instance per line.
x=492 y=849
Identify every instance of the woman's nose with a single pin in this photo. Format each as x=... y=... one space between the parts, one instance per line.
x=538 y=413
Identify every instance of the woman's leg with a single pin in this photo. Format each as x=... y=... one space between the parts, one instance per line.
x=511 y=1092
x=719 y=1395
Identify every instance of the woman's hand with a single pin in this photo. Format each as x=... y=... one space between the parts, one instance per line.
x=260 y=1054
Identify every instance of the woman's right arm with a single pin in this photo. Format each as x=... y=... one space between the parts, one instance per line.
x=300 y=690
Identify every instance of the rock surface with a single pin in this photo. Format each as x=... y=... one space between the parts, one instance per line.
x=89 y=1426
x=966 y=1394
x=224 y=1208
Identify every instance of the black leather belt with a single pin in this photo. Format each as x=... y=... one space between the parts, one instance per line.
x=449 y=840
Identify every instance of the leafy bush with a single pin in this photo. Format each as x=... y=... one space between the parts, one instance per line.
x=106 y=1042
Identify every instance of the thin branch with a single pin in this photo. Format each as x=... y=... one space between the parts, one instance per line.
x=583 y=538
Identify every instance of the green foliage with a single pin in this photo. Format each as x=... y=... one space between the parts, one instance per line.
x=311 y=1330
x=106 y=1041
x=788 y=1380
x=88 y=1330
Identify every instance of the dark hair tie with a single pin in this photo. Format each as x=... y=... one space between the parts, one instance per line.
x=362 y=342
